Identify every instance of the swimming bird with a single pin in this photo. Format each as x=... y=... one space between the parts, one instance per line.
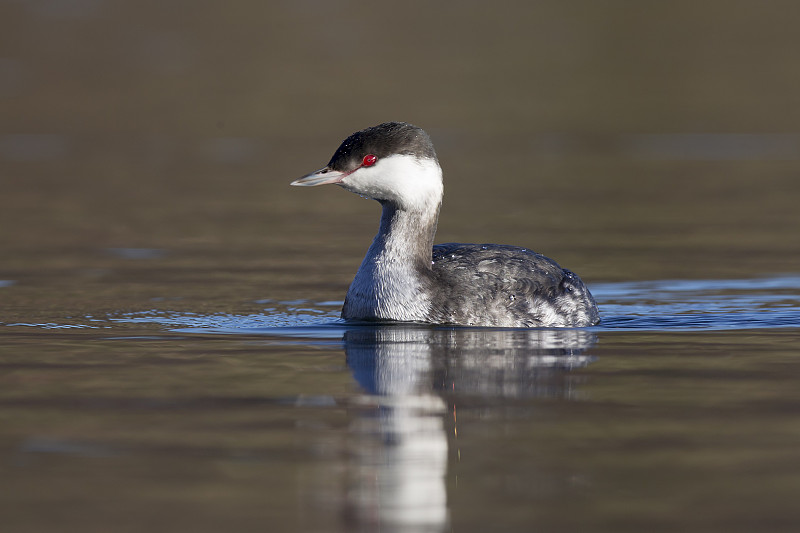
x=405 y=278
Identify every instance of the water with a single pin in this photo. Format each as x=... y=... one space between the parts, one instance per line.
x=665 y=416
x=171 y=356
x=668 y=305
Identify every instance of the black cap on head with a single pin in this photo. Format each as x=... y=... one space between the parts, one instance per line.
x=382 y=140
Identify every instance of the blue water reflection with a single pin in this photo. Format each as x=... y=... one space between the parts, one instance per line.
x=674 y=305
x=770 y=302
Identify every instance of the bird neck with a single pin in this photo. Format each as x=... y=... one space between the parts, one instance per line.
x=406 y=235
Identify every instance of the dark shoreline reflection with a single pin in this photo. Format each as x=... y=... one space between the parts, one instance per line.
x=398 y=454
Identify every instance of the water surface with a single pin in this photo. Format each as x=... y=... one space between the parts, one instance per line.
x=667 y=415
x=171 y=357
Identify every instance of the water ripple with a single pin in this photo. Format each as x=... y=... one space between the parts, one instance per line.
x=662 y=305
x=772 y=302
x=682 y=305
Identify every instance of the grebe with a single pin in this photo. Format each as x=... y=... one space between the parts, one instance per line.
x=405 y=278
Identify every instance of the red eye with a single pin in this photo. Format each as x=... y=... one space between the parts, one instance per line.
x=369 y=160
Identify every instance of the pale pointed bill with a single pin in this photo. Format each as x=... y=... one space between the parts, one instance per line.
x=322 y=176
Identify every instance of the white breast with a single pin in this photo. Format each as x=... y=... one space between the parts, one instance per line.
x=386 y=289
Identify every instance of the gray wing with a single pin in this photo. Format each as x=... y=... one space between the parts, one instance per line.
x=507 y=286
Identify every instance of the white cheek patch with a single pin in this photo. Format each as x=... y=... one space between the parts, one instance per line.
x=405 y=180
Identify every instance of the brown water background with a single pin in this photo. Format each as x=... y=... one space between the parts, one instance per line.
x=145 y=154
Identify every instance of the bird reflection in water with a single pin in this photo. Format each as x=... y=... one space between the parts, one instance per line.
x=414 y=376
